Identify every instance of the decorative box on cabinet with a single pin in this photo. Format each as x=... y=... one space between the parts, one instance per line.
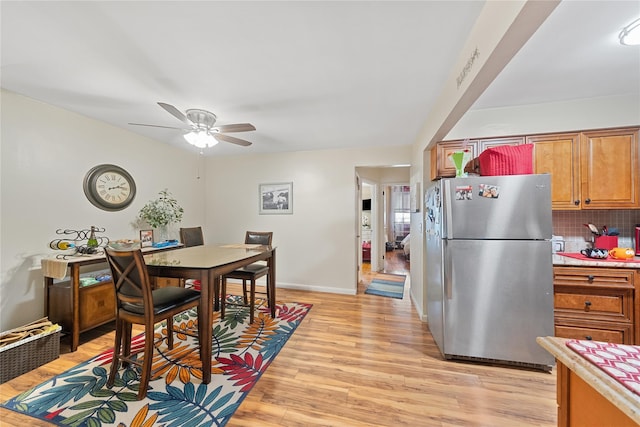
x=594 y=304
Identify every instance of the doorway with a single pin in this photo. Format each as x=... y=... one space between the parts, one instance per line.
x=383 y=221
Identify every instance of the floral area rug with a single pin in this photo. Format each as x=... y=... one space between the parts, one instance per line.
x=176 y=396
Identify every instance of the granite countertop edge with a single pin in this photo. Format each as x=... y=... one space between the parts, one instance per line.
x=612 y=390
x=560 y=260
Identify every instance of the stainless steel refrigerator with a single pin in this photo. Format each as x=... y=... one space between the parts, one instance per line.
x=489 y=277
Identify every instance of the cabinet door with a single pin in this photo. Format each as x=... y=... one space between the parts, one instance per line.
x=558 y=155
x=446 y=168
x=483 y=144
x=609 y=168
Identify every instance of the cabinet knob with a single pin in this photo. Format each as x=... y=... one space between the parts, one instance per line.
x=587 y=304
x=587 y=201
x=588 y=337
x=576 y=202
x=590 y=277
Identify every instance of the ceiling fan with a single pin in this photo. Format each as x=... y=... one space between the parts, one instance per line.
x=201 y=131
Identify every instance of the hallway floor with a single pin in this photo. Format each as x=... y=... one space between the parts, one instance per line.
x=394 y=263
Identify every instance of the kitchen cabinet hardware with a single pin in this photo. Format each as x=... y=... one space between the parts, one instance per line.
x=576 y=202
x=587 y=304
x=590 y=277
x=587 y=201
x=588 y=337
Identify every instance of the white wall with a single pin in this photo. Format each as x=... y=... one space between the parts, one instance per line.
x=45 y=154
x=581 y=114
x=316 y=244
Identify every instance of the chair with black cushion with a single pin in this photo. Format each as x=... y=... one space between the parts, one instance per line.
x=137 y=303
x=192 y=236
x=248 y=274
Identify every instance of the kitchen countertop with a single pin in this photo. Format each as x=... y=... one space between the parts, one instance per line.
x=560 y=260
x=620 y=396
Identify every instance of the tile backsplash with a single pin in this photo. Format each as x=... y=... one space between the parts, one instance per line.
x=570 y=225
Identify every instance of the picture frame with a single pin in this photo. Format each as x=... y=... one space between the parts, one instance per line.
x=275 y=198
x=146 y=238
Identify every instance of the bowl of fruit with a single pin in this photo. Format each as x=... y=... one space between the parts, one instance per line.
x=124 y=244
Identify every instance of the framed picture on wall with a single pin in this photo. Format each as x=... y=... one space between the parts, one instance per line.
x=146 y=238
x=276 y=198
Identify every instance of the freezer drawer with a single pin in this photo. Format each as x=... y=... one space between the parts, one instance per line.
x=498 y=297
x=518 y=209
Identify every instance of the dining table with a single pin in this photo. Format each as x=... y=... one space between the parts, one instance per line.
x=208 y=263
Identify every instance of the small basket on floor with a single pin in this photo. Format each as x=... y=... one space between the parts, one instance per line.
x=29 y=353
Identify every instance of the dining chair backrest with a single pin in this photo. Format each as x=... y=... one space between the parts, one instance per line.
x=131 y=280
x=192 y=236
x=258 y=237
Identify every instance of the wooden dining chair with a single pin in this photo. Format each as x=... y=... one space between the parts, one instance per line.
x=137 y=303
x=248 y=274
x=191 y=236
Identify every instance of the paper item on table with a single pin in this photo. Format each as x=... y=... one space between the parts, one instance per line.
x=55 y=268
x=241 y=246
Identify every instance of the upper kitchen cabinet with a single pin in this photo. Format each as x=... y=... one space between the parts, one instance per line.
x=590 y=170
x=558 y=155
x=610 y=169
x=444 y=167
x=441 y=165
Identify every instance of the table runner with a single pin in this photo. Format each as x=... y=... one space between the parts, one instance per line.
x=620 y=361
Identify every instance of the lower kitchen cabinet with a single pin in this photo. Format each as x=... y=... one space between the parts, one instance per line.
x=594 y=303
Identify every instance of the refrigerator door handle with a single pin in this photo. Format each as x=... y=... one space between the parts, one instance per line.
x=447 y=217
x=447 y=272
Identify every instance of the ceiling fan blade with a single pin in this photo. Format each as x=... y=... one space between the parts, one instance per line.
x=238 y=127
x=157 y=126
x=231 y=139
x=175 y=113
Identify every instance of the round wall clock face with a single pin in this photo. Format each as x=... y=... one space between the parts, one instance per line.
x=109 y=187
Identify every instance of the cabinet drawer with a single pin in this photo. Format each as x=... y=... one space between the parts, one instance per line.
x=593 y=277
x=164 y=282
x=615 y=333
x=603 y=304
x=97 y=305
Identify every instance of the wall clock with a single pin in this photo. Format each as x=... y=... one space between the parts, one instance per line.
x=109 y=187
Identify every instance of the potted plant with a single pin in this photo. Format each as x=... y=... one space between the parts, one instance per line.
x=162 y=212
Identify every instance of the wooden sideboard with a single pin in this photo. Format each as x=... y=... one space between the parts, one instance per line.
x=81 y=308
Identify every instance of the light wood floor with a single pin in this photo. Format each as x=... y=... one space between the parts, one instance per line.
x=359 y=361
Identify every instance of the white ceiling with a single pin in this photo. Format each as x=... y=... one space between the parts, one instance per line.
x=308 y=75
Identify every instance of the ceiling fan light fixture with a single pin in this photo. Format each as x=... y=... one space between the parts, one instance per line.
x=630 y=35
x=200 y=138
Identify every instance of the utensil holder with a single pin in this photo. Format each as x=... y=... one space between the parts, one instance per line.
x=605 y=242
